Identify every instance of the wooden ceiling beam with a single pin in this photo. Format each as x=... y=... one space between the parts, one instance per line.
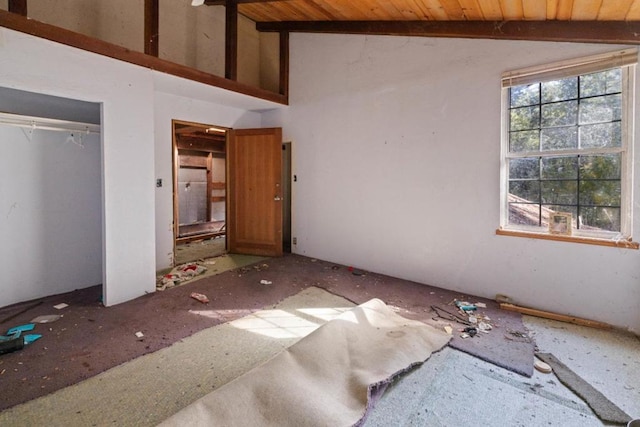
x=200 y=144
x=231 y=40
x=18 y=6
x=284 y=64
x=618 y=32
x=203 y=136
x=182 y=129
x=151 y=27
x=224 y=2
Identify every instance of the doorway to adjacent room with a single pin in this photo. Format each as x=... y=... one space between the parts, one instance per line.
x=199 y=190
x=231 y=191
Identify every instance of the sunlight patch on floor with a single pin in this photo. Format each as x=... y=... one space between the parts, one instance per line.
x=326 y=314
x=276 y=324
x=223 y=315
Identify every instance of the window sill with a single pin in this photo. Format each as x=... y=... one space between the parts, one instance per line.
x=625 y=244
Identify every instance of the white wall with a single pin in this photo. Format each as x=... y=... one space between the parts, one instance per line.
x=120 y=22
x=195 y=37
x=137 y=108
x=396 y=146
x=127 y=144
x=192 y=36
x=270 y=61
x=51 y=205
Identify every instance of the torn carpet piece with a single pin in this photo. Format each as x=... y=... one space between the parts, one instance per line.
x=603 y=407
x=324 y=379
x=179 y=274
x=507 y=345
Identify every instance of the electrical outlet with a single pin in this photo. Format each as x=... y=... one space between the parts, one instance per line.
x=295 y=240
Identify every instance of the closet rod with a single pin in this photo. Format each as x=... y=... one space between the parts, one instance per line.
x=47 y=124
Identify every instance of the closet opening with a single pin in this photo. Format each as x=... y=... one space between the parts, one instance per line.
x=51 y=198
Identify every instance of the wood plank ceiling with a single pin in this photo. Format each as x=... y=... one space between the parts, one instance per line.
x=588 y=21
x=591 y=21
x=440 y=10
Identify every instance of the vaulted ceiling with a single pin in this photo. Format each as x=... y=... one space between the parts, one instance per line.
x=599 y=21
x=439 y=10
x=585 y=21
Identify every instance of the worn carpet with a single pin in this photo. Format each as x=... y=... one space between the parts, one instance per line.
x=326 y=378
x=149 y=389
x=91 y=338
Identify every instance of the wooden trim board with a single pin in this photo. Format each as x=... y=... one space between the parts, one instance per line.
x=555 y=316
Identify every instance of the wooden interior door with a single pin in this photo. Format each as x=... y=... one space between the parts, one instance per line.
x=254 y=219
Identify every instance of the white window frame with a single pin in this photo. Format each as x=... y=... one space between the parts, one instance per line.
x=624 y=59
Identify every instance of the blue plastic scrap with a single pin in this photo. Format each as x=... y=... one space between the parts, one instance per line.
x=14 y=340
x=21 y=328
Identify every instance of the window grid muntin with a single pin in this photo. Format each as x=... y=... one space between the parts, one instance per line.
x=578 y=152
x=579 y=205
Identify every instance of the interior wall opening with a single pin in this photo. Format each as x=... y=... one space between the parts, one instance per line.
x=199 y=156
x=51 y=195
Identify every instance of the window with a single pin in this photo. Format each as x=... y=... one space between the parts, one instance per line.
x=567 y=146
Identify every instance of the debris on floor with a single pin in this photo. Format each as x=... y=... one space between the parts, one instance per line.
x=11 y=344
x=266 y=282
x=139 y=335
x=47 y=318
x=179 y=274
x=21 y=328
x=200 y=297
x=501 y=298
x=61 y=306
x=256 y=267
x=14 y=340
x=542 y=367
x=356 y=272
x=517 y=336
x=260 y=267
x=465 y=306
x=469 y=331
x=467 y=314
x=442 y=313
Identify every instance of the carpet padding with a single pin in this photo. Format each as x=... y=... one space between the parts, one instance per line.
x=324 y=379
x=603 y=407
x=508 y=345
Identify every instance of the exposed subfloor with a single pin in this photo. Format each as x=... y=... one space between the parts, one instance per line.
x=453 y=388
x=200 y=250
